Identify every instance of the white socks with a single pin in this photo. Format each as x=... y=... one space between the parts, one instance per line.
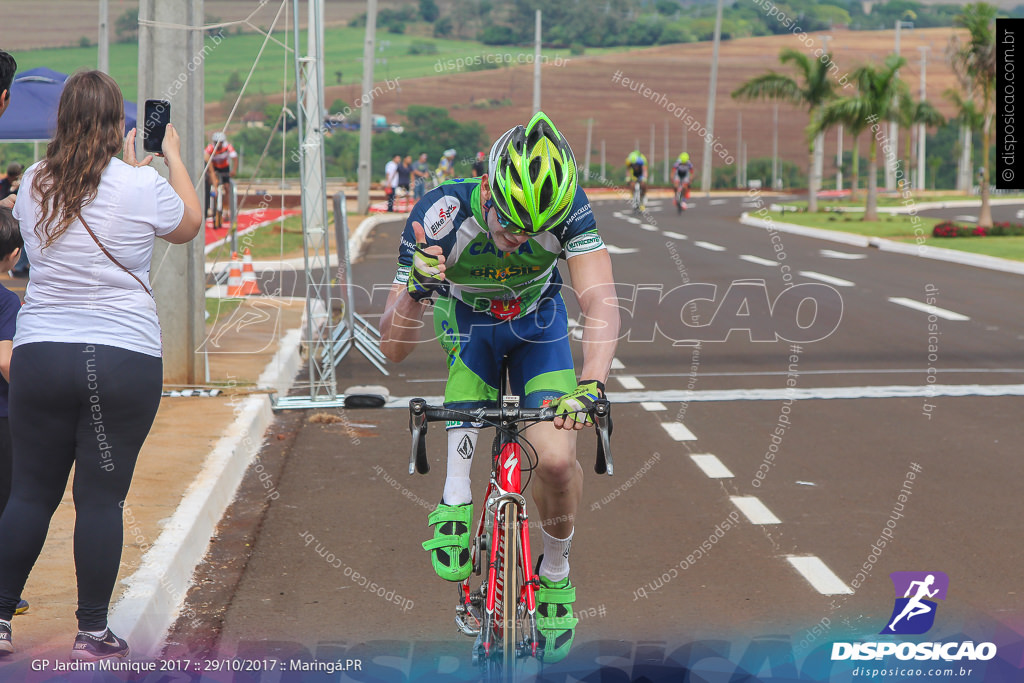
x=555 y=565
x=461 y=444
x=96 y=634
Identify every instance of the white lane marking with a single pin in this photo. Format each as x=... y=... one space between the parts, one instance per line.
x=618 y=214
x=674 y=235
x=573 y=323
x=677 y=430
x=653 y=406
x=711 y=466
x=709 y=246
x=819 y=575
x=612 y=249
x=797 y=394
x=756 y=511
x=828 y=253
x=648 y=227
x=634 y=221
x=758 y=260
x=805 y=483
x=617 y=364
x=928 y=308
x=577 y=333
x=837 y=281
x=969 y=219
x=1020 y=213
x=629 y=382
x=716 y=202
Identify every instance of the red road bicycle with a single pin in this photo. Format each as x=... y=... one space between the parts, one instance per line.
x=500 y=613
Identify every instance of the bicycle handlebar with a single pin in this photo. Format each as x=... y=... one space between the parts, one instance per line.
x=420 y=414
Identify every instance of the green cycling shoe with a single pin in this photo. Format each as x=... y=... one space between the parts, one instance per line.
x=556 y=625
x=449 y=548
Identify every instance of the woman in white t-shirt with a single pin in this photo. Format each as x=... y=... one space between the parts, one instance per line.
x=86 y=372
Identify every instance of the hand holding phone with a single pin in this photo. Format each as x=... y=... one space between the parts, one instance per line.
x=154 y=127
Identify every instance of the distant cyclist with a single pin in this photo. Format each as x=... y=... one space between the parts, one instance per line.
x=446 y=167
x=478 y=165
x=682 y=176
x=222 y=160
x=637 y=164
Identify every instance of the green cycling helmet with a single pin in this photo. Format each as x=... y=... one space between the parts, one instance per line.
x=533 y=176
x=684 y=157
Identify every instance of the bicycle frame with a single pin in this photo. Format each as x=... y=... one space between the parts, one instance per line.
x=501 y=626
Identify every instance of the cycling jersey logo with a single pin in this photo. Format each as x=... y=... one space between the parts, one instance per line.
x=581 y=244
x=914 y=612
x=480 y=248
x=438 y=220
x=506 y=309
x=504 y=273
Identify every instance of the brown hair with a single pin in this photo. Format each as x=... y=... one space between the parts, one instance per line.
x=90 y=129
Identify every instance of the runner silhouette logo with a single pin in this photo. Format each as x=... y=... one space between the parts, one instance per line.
x=914 y=610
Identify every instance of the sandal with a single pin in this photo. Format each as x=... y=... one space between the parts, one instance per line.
x=449 y=548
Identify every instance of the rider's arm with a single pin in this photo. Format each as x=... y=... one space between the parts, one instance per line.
x=401 y=324
x=592 y=281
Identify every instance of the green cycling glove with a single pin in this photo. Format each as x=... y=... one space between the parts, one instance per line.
x=424 y=276
x=581 y=400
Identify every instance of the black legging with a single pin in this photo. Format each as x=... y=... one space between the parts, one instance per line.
x=87 y=405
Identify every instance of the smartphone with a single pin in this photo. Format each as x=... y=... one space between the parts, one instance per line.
x=158 y=115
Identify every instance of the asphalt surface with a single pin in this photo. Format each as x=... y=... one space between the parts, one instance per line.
x=899 y=431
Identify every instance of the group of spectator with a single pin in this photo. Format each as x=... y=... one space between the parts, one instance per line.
x=81 y=370
x=414 y=176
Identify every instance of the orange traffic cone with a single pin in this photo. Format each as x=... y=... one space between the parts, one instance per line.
x=249 y=283
x=234 y=277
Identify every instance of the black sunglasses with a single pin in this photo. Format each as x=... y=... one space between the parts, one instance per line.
x=504 y=222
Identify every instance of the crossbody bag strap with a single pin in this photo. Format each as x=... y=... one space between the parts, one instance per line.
x=111 y=256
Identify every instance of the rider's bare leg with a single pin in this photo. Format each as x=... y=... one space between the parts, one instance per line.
x=557 y=491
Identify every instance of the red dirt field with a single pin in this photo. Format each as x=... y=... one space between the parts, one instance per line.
x=584 y=88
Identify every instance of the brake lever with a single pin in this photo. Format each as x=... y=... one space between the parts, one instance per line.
x=418 y=428
x=602 y=413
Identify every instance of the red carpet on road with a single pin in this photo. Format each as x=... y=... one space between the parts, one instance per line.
x=247 y=220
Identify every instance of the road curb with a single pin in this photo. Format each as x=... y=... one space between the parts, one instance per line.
x=924 y=251
x=156 y=591
x=357 y=243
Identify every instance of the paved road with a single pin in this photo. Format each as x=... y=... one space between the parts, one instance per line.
x=902 y=424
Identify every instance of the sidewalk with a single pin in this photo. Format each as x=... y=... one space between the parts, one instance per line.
x=174 y=479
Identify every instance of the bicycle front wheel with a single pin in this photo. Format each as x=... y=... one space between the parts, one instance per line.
x=510 y=589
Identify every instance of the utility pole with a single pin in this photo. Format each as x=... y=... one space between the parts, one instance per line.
x=705 y=174
x=366 y=112
x=650 y=160
x=666 y=152
x=178 y=275
x=819 y=140
x=739 y=149
x=103 y=63
x=775 y=147
x=536 y=65
x=920 y=127
x=590 y=134
x=839 y=160
x=894 y=130
x=602 y=161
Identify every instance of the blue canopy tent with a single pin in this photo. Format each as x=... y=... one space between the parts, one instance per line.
x=32 y=115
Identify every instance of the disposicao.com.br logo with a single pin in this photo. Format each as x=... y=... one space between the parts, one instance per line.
x=913 y=613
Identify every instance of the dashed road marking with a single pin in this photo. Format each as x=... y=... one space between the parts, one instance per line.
x=716 y=202
x=653 y=406
x=965 y=217
x=711 y=466
x=648 y=227
x=629 y=382
x=755 y=510
x=674 y=235
x=759 y=261
x=829 y=253
x=928 y=308
x=677 y=430
x=617 y=364
x=819 y=575
x=709 y=246
x=612 y=249
x=837 y=281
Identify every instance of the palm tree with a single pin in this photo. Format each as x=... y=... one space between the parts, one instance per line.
x=974 y=62
x=848 y=112
x=912 y=113
x=814 y=89
x=970 y=120
x=878 y=90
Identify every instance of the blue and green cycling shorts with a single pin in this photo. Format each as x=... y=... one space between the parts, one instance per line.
x=537 y=345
